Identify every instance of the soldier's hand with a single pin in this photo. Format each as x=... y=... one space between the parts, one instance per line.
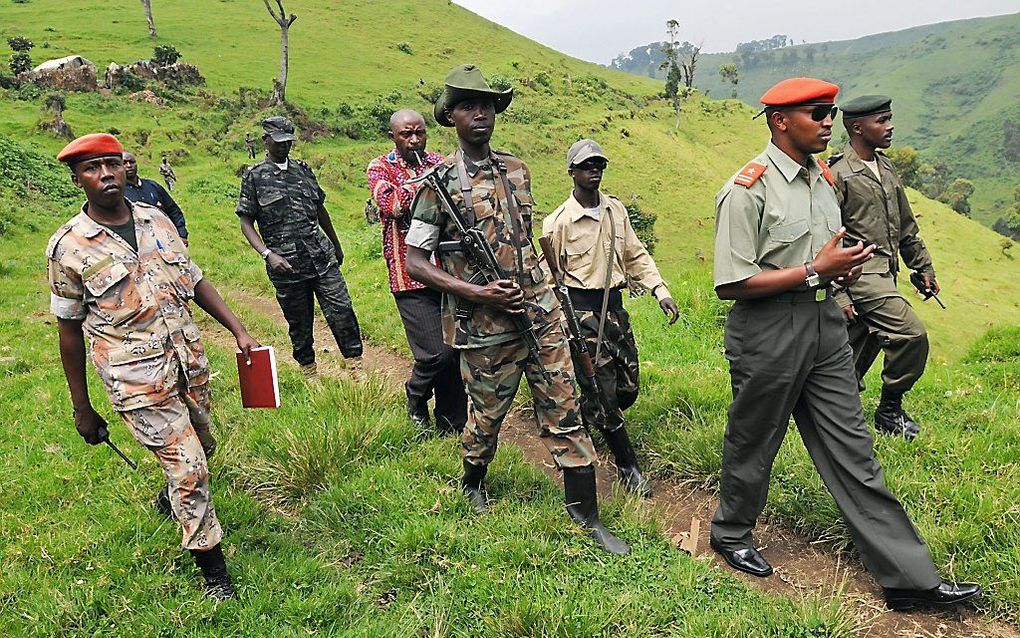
x=671 y=309
x=278 y=263
x=851 y=277
x=185 y=240
x=850 y=313
x=245 y=343
x=834 y=261
x=931 y=285
x=91 y=426
x=503 y=294
x=339 y=255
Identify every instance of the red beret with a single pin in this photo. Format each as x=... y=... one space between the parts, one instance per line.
x=800 y=91
x=89 y=146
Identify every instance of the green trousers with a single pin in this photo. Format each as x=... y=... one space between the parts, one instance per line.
x=889 y=325
x=790 y=355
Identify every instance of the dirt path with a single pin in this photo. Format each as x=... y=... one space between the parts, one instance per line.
x=801 y=568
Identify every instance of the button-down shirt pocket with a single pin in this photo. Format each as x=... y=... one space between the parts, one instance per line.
x=196 y=364
x=177 y=265
x=117 y=299
x=526 y=206
x=786 y=244
x=580 y=246
x=272 y=207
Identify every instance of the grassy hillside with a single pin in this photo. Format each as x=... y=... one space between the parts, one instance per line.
x=956 y=86
x=344 y=489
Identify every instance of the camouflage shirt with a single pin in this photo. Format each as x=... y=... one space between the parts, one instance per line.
x=431 y=224
x=285 y=205
x=134 y=305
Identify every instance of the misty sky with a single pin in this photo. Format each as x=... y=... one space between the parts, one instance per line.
x=597 y=30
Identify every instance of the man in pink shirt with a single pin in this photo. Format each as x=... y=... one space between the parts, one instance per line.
x=436 y=365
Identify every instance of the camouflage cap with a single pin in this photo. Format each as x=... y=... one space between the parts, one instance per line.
x=866 y=105
x=582 y=150
x=279 y=128
x=463 y=82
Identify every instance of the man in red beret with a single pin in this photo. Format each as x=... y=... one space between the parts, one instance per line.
x=779 y=245
x=119 y=272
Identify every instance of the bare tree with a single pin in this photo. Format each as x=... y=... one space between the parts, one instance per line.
x=688 y=62
x=148 y=17
x=280 y=15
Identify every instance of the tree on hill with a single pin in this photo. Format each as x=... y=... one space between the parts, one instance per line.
x=769 y=44
x=679 y=64
x=147 y=5
x=281 y=18
x=957 y=194
x=907 y=163
x=728 y=72
x=21 y=59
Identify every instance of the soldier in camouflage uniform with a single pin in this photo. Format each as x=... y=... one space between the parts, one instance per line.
x=598 y=251
x=120 y=272
x=875 y=210
x=493 y=191
x=283 y=196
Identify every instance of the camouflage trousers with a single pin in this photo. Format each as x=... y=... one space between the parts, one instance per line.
x=168 y=430
x=616 y=370
x=492 y=375
x=297 y=300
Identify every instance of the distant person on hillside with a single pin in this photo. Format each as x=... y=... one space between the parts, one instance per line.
x=492 y=191
x=778 y=247
x=598 y=250
x=140 y=189
x=119 y=271
x=282 y=195
x=249 y=143
x=168 y=174
x=875 y=210
x=436 y=364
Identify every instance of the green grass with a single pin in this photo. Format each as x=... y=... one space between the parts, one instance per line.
x=338 y=471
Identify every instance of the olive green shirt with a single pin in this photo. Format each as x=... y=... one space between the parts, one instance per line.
x=781 y=221
x=875 y=210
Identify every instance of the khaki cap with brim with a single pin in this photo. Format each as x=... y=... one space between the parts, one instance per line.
x=582 y=150
x=463 y=82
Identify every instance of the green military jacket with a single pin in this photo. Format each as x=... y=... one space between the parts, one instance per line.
x=285 y=205
x=876 y=211
x=431 y=224
x=773 y=214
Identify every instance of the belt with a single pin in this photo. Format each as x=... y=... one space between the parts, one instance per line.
x=800 y=296
x=590 y=300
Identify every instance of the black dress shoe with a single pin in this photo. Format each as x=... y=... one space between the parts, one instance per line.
x=747 y=560
x=944 y=595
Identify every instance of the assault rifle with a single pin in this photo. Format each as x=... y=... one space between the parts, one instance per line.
x=917 y=279
x=586 y=378
x=479 y=254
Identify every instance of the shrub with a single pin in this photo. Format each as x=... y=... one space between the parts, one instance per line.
x=500 y=82
x=165 y=55
x=20 y=62
x=643 y=222
x=20 y=44
x=404 y=47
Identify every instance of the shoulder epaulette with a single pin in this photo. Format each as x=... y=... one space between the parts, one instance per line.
x=750 y=174
x=826 y=172
x=498 y=152
x=834 y=158
x=51 y=247
x=301 y=162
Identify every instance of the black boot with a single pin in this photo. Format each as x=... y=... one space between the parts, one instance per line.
x=891 y=419
x=214 y=569
x=473 y=485
x=417 y=409
x=627 y=463
x=445 y=427
x=162 y=502
x=583 y=508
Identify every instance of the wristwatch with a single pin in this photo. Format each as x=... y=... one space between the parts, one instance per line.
x=812 y=279
x=265 y=253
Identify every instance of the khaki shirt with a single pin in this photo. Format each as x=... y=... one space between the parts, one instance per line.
x=499 y=221
x=781 y=221
x=134 y=305
x=875 y=210
x=586 y=247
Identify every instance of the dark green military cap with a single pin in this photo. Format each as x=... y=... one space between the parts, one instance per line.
x=866 y=105
x=463 y=82
x=279 y=128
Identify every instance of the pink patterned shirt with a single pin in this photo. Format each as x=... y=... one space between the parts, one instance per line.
x=387 y=180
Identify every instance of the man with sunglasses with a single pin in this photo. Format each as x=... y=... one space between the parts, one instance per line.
x=598 y=251
x=779 y=245
x=875 y=209
x=492 y=192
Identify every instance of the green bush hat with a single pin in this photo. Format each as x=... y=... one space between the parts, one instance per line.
x=465 y=81
x=582 y=150
x=279 y=128
x=866 y=105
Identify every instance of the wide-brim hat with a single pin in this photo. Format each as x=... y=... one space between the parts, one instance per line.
x=463 y=82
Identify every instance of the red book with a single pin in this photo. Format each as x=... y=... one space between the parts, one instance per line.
x=260 y=387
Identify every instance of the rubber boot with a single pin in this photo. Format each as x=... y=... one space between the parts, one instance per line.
x=891 y=419
x=473 y=485
x=627 y=463
x=583 y=508
x=214 y=569
x=162 y=502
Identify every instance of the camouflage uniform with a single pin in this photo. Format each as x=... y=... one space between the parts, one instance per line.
x=285 y=204
x=494 y=355
x=145 y=346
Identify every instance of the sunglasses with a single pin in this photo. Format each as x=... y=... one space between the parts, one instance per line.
x=591 y=165
x=821 y=111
